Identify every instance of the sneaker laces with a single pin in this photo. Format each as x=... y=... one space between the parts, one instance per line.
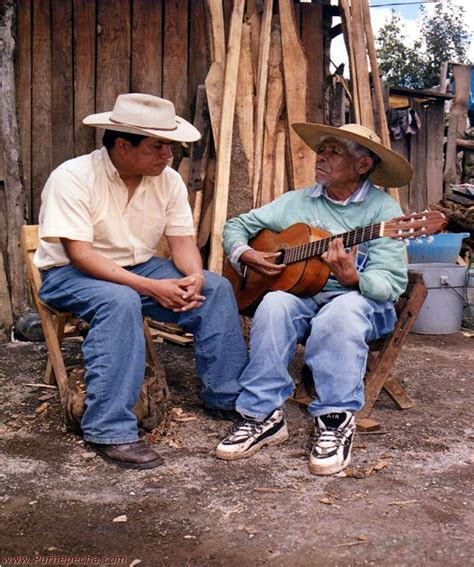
x=329 y=438
x=246 y=428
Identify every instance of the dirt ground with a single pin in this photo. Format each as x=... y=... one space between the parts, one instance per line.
x=412 y=504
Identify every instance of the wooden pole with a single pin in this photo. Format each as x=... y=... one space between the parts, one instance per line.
x=302 y=159
x=15 y=197
x=214 y=80
x=457 y=121
x=378 y=91
x=347 y=30
x=265 y=37
x=360 y=59
x=225 y=137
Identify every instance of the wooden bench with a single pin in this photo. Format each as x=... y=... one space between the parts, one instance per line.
x=56 y=325
x=382 y=355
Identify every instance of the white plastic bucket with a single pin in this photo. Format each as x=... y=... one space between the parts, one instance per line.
x=442 y=311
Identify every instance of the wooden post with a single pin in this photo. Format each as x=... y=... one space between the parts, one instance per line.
x=15 y=197
x=265 y=36
x=360 y=59
x=225 y=138
x=347 y=30
x=302 y=159
x=272 y=118
x=457 y=121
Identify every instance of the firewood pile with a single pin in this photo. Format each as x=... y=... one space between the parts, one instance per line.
x=256 y=87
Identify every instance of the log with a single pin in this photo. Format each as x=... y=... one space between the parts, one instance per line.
x=265 y=38
x=347 y=30
x=15 y=197
x=457 y=121
x=279 y=177
x=360 y=60
x=150 y=410
x=244 y=108
x=302 y=159
x=225 y=138
x=272 y=117
x=200 y=149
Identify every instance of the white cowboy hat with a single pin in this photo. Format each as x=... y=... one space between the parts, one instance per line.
x=393 y=169
x=147 y=115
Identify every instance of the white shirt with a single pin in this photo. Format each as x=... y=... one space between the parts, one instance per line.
x=85 y=199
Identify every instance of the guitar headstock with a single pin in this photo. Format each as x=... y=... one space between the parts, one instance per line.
x=415 y=225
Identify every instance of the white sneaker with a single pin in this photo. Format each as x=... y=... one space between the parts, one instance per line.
x=334 y=435
x=250 y=435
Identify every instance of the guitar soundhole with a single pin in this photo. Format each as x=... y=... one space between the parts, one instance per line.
x=280 y=259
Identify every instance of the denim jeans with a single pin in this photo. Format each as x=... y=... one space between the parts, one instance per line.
x=114 y=349
x=335 y=328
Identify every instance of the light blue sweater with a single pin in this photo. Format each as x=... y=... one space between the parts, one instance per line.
x=381 y=263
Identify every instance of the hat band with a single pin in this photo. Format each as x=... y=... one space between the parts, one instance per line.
x=139 y=126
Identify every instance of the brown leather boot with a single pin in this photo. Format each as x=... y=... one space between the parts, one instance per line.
x=135 y=455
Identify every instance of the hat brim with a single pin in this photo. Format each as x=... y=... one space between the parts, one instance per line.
x=184 y=132
x=392 y=171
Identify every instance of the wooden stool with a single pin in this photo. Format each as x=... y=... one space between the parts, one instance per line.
x=57 y=325
x=382 y=355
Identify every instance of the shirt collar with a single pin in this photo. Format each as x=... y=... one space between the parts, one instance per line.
x=109 y=167
x=356 y=197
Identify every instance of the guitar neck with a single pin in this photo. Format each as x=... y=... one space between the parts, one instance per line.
x=318 y=247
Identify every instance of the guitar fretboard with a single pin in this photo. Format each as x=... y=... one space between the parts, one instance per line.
x=318 y=247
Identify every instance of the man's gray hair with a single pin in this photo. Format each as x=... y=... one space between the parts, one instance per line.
x=357 y=150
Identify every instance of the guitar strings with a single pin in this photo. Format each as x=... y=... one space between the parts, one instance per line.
x=318 y=247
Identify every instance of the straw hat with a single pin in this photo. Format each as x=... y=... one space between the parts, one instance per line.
x=393 y=169
x=146 y=115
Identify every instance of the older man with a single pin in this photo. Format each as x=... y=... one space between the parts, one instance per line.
x=101 y=218
x=355 y=306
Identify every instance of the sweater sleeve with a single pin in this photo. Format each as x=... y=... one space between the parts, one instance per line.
x=385 y=276
x=241 y=229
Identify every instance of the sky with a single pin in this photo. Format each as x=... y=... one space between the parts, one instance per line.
x=409 y=11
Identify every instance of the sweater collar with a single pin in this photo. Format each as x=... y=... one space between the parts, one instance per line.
x=356 y=197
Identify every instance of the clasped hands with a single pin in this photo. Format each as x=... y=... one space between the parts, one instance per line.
x=178 y=295
x=341 y=263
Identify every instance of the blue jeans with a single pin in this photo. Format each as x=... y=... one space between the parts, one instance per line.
x=114 y=349
x=335 y=328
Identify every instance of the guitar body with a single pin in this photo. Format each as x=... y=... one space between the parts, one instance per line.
x=304 y=278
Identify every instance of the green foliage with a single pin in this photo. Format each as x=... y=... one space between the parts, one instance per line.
x=443 y=37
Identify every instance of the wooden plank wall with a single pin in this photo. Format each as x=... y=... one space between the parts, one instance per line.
x=425 y=152
x=75 y=56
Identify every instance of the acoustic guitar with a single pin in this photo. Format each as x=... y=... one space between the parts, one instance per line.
x=301 y=246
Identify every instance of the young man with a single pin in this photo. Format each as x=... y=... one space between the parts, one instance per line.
x=101 y=219
x=354 y=307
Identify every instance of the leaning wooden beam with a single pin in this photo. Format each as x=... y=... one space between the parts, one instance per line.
x=360 y=59
x=378 y=90
x=347 y=30
x=244 y=109
x=302 y=159
x=215 y=78
x=272 y=116
x=457 y=121
x=225 y=138
x=15 y=197
x=265 y=36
